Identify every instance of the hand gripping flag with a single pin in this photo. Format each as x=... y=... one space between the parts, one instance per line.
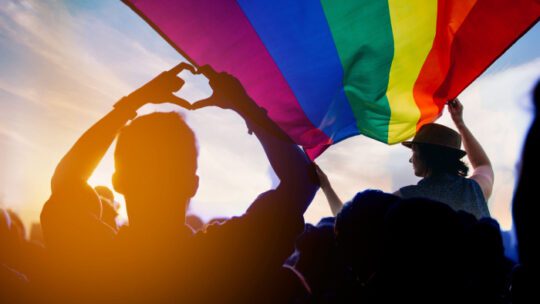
x=326 y=70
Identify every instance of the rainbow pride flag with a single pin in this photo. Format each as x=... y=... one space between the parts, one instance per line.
x=326 y=70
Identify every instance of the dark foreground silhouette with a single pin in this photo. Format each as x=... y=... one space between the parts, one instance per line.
x=380 y=248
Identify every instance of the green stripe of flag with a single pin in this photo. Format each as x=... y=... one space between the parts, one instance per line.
x=363 y=37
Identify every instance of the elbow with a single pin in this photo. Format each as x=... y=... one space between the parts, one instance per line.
x=303 y=182
x=481 y=162
x=487 y=189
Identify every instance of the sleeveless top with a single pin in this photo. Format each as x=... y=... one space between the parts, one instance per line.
x=458 y=192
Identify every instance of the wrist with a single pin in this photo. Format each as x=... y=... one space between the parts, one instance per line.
x=248 y=109
x=245 y=106
x=127 y=105
x=253 y=116
x=460 y=124
x=325 y=187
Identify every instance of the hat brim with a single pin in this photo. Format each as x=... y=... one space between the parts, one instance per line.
x=459 y=152
x=407 y=144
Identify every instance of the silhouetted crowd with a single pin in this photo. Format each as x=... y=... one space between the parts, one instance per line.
x=379 y=248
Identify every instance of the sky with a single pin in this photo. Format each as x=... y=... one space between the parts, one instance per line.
x=65 y=63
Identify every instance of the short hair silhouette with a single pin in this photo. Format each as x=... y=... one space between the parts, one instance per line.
x=423 y=256
x=108 y=206
x=155 y=145
x=359 y=229
x=156 y=159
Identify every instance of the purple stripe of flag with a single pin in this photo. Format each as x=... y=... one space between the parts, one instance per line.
x=218 y=33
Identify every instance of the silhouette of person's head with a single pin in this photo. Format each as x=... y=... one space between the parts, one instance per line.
x=432 y=160
x=524 y=285
x=436 y=150
x=104 y=192
x=18 y=224
x=155 y=168
x=423 y=253
x=10 y=236
x=194 y=222
x=315 y=255
x=108 y=205
x=359 y=229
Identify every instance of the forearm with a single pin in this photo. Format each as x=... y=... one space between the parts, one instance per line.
x=285 y=156
x=82 y=159
x=293 y=168
x=291 y=165
x=333 y=199
x=476 y=154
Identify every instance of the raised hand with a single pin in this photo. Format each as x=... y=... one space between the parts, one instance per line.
x=228 y=92
x=333 y=199
x=482 y=168
x=323 y=179
x=455 y=108
x=161 y=89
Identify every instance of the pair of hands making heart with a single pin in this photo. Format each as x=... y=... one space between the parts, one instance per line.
x=228 y=92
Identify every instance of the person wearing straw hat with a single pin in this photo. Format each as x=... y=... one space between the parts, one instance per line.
x=436 y=157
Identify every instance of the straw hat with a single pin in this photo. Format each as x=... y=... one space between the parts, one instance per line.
x=438 y=135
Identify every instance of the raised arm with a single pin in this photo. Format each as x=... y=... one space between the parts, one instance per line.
x=81 y=160
x=331 y=196
x=482 y=169
x=294 y=170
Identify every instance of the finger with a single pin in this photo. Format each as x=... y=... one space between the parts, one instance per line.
x=320 y=172
x=177 y=84
x=158 y=78
x=180 y=67
x=179 y=101
x=203 y=103
x=207 y=71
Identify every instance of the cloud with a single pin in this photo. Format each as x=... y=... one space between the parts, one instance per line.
x=498 y=112
x=18 y=138
x=63 y=67
x=67 y=66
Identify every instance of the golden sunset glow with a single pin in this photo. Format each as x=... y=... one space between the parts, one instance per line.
x=65 y=63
